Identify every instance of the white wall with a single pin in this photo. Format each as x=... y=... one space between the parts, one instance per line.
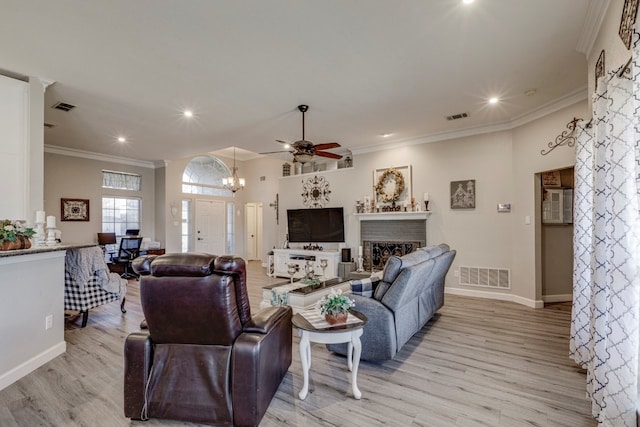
x=81 y=178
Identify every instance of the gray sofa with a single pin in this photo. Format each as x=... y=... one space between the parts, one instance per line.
x=410 y=292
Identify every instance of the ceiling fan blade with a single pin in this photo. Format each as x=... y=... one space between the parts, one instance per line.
x=329 y=155
x=326 y=146
x=277 y=152
x=283 y=142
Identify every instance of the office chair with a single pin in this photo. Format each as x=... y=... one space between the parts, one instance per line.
x=107 y=241
x=129 y=250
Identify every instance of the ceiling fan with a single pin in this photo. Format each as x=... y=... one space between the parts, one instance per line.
x=303 y=150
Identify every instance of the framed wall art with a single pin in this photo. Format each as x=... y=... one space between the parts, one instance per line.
x=629 y=12
x=74 y=209
x=463 y=194
x=392 y=185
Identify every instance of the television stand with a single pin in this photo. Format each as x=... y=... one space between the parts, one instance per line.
x=300 y=257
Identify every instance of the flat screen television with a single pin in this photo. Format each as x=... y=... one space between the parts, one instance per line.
x=323 y=225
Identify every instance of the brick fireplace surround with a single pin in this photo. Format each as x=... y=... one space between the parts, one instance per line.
x=389 y=234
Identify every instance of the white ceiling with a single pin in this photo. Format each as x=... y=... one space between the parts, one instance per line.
x=365 y=67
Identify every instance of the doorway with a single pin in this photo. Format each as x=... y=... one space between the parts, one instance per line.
x=210 y=225
x=556 y=249
x=253 y=227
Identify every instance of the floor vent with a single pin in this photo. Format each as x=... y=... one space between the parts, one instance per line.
x=63 y=106
x=486 y=277
x=458 y=116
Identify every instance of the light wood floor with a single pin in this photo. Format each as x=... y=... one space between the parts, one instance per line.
x=477 y=363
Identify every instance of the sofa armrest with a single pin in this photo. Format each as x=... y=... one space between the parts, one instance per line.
x=379 y=334
x=266 y=319
x=260 y=359
x=138 y=355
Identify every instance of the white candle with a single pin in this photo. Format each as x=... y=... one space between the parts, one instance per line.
x=40 y=217
x=426 y=197
x=359 y=250
x=51 y=221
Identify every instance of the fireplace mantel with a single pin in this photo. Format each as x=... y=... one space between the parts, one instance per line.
x=392 y=216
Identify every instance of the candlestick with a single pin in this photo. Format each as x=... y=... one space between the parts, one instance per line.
x=40 y=217
x=51 y=221
x=360 y=264
x=426 y=197
x=359 y=250
x=38 y=238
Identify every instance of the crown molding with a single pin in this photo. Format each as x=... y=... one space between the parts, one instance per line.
x=546 y=109
x=53 y=149
x=596 y=11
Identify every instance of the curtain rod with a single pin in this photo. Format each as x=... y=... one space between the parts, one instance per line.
x=567 y=137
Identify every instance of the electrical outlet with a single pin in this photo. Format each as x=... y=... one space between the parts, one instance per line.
x=48 y=322
x=456 y=273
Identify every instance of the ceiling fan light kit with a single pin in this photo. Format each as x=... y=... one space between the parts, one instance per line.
x=303 y=150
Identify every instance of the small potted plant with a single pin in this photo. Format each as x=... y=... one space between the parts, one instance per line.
x=335 y=307
x=14 y=235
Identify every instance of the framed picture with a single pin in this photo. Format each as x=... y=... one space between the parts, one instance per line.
x=629 y=12
x=463 y=194
x=392 y=185
x=74 y=209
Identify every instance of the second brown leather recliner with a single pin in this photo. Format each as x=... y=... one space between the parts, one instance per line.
x=204 y=358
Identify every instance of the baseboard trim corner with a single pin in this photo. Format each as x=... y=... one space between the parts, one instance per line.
x=13 y=375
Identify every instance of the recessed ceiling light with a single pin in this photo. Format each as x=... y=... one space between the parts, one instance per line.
x=188 y=113
x=493 y=100
x=467 y=1
x=385 y=135
x=122 y=139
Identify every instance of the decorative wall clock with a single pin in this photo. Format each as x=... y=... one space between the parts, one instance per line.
x=74 y=209
x=315 y=192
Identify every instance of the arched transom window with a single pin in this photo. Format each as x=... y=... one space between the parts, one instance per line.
x=203 y=175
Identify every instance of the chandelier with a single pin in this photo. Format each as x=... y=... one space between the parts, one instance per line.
x=232 y=182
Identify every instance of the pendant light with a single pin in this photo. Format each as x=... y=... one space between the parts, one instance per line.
x=232 y=182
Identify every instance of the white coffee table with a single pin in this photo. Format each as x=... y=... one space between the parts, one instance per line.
x=349 y=333
x=300 y=296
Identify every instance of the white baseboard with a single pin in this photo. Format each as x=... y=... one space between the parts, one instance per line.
x=32 y=364
x=495 y=295
x=558 y=298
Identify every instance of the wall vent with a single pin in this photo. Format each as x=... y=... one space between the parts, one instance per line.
x=485 y=277
x=48 y=125
x=458 y=116
x=64 y=106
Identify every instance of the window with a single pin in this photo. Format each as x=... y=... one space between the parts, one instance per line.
x=186 y=225
x=120 y=214
x=231 y=210
x=203 y=175
x=121 y=180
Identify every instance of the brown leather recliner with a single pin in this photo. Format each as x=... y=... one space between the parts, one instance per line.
x=203 y=358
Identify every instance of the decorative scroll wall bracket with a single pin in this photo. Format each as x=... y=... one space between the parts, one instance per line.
x=567 y=137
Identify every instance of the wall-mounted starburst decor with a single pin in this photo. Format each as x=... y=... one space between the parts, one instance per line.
x=315 y=192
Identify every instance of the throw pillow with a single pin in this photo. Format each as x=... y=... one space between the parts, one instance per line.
x=364 y=287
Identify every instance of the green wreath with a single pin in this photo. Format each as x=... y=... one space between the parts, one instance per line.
x=396 y=176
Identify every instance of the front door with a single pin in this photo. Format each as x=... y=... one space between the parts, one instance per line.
x=210 y=226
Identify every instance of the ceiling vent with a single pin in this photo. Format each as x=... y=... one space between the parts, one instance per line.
x=458 y=116
x=63 y=106
x=48 y=125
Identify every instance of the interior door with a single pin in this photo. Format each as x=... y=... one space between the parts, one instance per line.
x=251 y=212
x=210 y=222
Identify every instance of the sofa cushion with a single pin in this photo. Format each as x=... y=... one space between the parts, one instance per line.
x=434 y=251
x=395 y=264
x=364 y=287
x=381 y=289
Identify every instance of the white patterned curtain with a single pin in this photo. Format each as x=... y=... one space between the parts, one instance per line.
x=605 y=315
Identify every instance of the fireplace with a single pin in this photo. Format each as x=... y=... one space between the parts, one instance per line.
x=376 y=253
x=386 y=234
